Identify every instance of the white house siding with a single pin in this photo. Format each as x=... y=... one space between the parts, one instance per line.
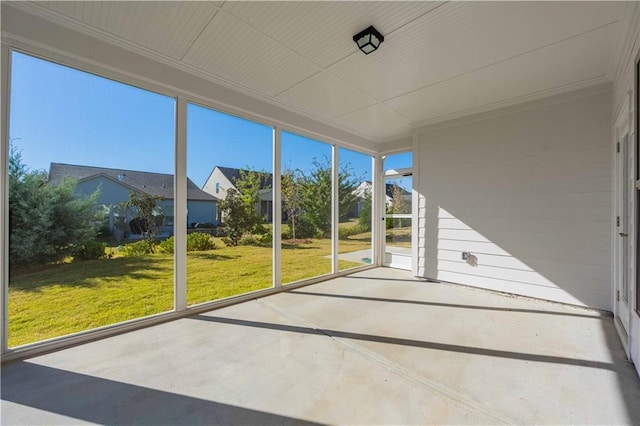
x=217 y=177
x=527 y=191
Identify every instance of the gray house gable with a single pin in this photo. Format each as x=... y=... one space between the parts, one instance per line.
x=160 y=184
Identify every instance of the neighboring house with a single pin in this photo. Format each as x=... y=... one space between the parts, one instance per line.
x=115 y=186
x=223 y=179
x=364 y=189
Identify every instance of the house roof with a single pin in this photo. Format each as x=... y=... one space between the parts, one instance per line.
x=365 y=188
x=147 y=182
x=234 y=174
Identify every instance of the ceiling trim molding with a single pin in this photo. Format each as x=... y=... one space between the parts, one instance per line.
x=603 y=79
x=584 y=92
x=624 y=60
x=80 y=27
x=402 y=135
x=626 y=40
x=398 y=145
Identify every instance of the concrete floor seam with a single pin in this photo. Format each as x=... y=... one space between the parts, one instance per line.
x=395 y=368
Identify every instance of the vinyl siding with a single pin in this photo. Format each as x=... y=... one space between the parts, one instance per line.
x=110 y=192
x=201 y=211
x=217 y=177
x=528 y=193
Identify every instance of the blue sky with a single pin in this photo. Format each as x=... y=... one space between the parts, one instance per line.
x=58 y=114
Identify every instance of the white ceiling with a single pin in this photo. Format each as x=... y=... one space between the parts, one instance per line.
x=439 y=60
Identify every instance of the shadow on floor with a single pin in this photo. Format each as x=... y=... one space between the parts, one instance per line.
x=629 y=382
x=414 y=343
x=386 y=279
x=104 y=401
x=448 y=305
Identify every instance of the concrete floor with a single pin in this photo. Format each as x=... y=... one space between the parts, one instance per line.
x=372 y=348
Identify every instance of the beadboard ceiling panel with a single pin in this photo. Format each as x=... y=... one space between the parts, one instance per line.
x=461 y=37
x=575 y=61
x=377 y=121
x=237 y=52
x=439 y=60
x=166 y=27
x=326 y=95
x=322 y=31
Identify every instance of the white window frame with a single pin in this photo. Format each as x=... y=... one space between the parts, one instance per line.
x=182 y=98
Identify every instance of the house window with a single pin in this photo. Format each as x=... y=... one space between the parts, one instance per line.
x=217 y=187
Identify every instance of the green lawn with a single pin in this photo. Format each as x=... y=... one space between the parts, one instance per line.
x=77 y=296
x=399 y=237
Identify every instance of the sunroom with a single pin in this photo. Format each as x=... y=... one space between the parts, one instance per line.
x=238 y=212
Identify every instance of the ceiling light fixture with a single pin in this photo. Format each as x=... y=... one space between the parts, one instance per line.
x=368 y=40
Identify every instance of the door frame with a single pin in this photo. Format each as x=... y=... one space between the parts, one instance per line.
x=624 y=224
x=396 y=174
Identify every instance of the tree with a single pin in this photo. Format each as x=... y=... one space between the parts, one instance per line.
x=240 y=208
x=46 y=223
x=316 y=190
x=291 y=197
x=235 y=222
x=145 y=205
x=399 y=205
x=364 y=220
x=249 y=186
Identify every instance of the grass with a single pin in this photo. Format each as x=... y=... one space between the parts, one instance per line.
x=77 y=296
x=399 y=237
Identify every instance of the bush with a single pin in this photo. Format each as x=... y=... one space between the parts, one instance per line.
x=305 y=229
x=264 y=240
x=196 y=241
x=104 y=232
x=249 y=240
x=46 y=223
x=139 y=248
x=392 y=223
x=260 y=229
x=346 y=232
x=92 y=250
x=166 y=246
x=365 y=214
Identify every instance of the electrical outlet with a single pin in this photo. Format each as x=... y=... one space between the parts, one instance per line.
x=465 y=255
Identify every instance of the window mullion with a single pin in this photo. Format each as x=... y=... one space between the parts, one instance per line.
x=180 y=207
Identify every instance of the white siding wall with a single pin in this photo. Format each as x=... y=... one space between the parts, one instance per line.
x=528 y=192
x=216 y=177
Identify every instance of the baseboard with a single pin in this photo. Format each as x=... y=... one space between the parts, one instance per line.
x=622 y=334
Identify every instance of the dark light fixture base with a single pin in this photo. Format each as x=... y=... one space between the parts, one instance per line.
x=368 y=40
